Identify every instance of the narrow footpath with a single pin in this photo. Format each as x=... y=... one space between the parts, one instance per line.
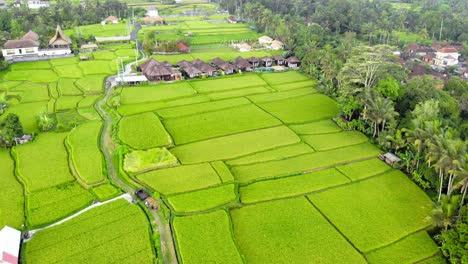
x=109 y=148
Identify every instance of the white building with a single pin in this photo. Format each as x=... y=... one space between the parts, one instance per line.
x=36 y=4
x=447 y=56
x=10 y=240
x=28 y=46
x=276 y=45
x=152 y=12
x=265 y=40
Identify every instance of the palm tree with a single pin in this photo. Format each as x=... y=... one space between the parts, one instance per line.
x=457 y=157
x=462 y=174
x=46 y=122
x=378 y=110
x=437 y=153
x=444 y=212
x=422 y=136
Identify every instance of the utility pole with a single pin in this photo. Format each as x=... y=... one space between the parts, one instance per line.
x=120 y=69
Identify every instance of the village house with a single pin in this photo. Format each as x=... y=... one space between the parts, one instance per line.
x=242 y=64
x=152 y=16
x=226 y=67
x=244 y=47
x=36 y=4
x=90 y=47
x=279 y=60
x=152 y=12
x=267 y=61
x=446 y=56
x=156 y=71
x=28 y=46
x=110 y=20
x=232 y=19
x=276 y=45
x=23 y=139
x=265 y=40
x=254 y=61
x=205 y=68
x=293 y=62
x=181 y=47
x=10 y=240
x=3 y=4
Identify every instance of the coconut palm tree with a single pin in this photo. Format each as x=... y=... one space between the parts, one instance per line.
x=462 y=175
x=444 y=212
x=378 y=110
x=457 y=158
x=437 y=154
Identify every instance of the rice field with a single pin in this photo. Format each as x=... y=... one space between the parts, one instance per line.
x=143 y=131
x=11 y=196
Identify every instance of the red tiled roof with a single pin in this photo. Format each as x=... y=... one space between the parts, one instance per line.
x=182 y=47
x=30 y=35
x=447 y=50
x=19 y=43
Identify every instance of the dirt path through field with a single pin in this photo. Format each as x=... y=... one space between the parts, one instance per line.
x=109 y=148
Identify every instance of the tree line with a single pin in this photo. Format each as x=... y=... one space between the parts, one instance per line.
x=423 y=120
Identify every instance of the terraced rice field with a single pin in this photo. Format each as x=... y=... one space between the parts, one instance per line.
x=271 y=177
x=251 y=166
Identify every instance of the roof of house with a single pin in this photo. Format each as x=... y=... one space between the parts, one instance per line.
x=141 y=194
x=265 y=38
x=20 y=43
x=292 y=59
x=412 y=46
x=227 y=67
x=10 y=240
x=151 y=19
x=277 y=43
x=245 y=46
x=449 y=57
x=191 y=70
x=278 y=57
x=31 y=35
x=182 y=47
x=267 y=59
x=89 y=46
x=59 y=38
x=202 y=66
x=242 y=63
x=447 y=50
x=253 y=59
x=232 y=18
x=111 y=19
x=217 y=61
x=153 y=68
x=184 y=63
x=429 y=55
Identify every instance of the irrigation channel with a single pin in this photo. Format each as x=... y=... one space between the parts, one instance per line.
x=109 y=148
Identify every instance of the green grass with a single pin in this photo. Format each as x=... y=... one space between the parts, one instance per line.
x=233 y=146
x=289 y=231
x=181 y=179
x=388 y=208
x=143 y=160
x=411 y=249
x=194 y=109
x=30 y=92
x=68 y=87
x=69 y=71
x=295 y=85
x=50 y=205
x=41 y=76
x=131 y=109
x=96 y=67
x=206 y=238
x=114 y=232
x=151 y=93
x=11 y=196
x=238 y=93
x=33 y=65
x=104 y=55
x=88 y=101
x=299 y=164
x=284 y=77
x=98 y=30
x=89 y=113
x=69 y=119
x=278 y=153
x=91 y=84
x=220 y=123
x=64 y=61
x=44 y=162
x=319 y=127
x=105 y=191
x=335 y=140
x=437 y=259
x=228 y=83
x=143 y=131
x=202 y=200
x=303 y=109
x=67 y=102
x=264 y=98
x=28 y=114
x=223 y=171
x=87 y=159
x=407 y=37
x=53 y=91
x=291 y=186
x=364 y=169
x=6 y=85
